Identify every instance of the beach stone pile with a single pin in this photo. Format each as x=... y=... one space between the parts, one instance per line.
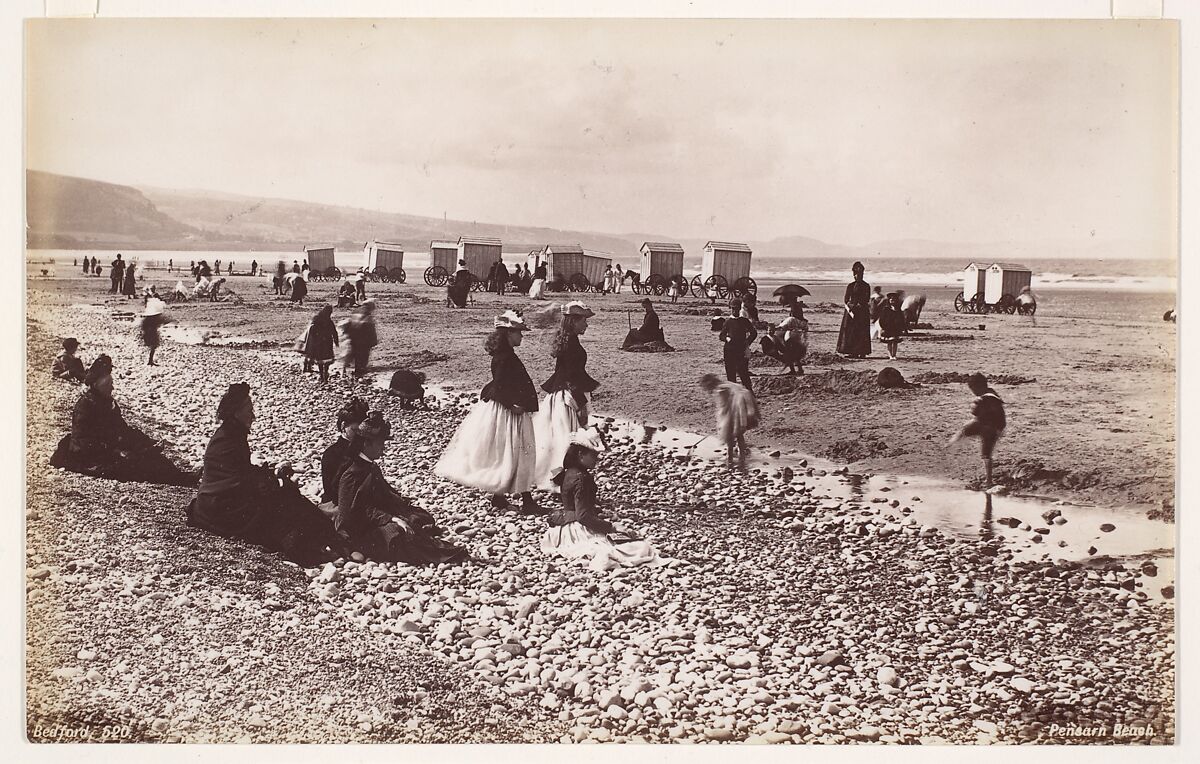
x=780 y=615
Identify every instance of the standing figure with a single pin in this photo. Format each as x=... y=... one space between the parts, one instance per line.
x=987 y=423
x=494 y=449
x=152 y=320
x=492 y=280
x=891 y=323
x=304 y=271
x=253 y=267
x=102 y=444
x=736 y=411
x=750 y=308
x=577 y=528
x=459 y=286
x=362 y=336
x=607 y=282
x=620 y=278
x=565 y=407
x=377 y=520
x=299 y=289
x=280 y=277
x=95 y=266
x=217 y=266
x=239 y=499
x=501 y=278
x=360 y=287
x=537 y=290
x=877 y=299
x=170 y=265
x=295 y=266
x=320 y=340
x=129 y=289
x=854 y=337
x=737 y=335
x=68 y=365
x=116 y=274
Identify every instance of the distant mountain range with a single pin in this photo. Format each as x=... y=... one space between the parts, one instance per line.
x=65 y=212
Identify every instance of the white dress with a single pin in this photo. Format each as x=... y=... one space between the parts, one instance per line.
x=576 y=541
x=557 y=418
x=493 y=450
x=537 y=291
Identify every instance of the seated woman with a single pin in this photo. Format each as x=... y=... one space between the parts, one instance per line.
x=379 y=522
x=577 y=528
x=67 y=365
x=238 y=499
x=347 y=294
x=649 y=331
x=102 y=444
x=334 y=458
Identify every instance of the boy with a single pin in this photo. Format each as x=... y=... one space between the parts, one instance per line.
x=68 y=365
x=988 y=423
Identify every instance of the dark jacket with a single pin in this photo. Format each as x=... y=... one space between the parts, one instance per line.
x=650 y=323
x=740 y=333
x=68 y=367
x=891 y=321
x=989 y=410
x=322 y=336
x=579 y=503
x=510 y=385
x=97 y=427
x=539 y=272
x=570 y=370
x=333 y=461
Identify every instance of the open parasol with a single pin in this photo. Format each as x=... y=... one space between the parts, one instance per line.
x=790 y=293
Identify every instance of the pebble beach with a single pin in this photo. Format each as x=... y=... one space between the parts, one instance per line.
x=787 y=611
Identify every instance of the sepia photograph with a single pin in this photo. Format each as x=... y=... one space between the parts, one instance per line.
x=717 y=381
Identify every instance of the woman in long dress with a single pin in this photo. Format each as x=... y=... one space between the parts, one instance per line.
x=854 y=337
x=577 y=528
x=376 y=519
x=565 y=407
x=129 y=286
x=459 y=286
x=102 y=444
x=238 y=499
x=318 y=344
x=537 y=290
x=334 y=458
x=494 y=448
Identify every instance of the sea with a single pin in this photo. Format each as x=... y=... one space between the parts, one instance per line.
x=1132 y=274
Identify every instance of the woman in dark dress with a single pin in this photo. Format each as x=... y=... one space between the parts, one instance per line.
x=129 y=287
x=299 y=290
x=238 y=499
x=378 y=521
x=565 y=408
x=460 y=286
x=363 y=337
x=102 y=444
x=322 y=336
x=494 y=448
x=854 y=338
x=334 y=458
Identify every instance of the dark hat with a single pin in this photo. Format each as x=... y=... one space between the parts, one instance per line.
x=70 y=344
x=374 y=426
x=858 y=266
x=237 y=394
x=977 y=380
x=646 y=301
x=100 y=368
x=355 y=410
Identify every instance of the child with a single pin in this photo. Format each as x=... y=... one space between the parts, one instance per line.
x=577 y=529
x=988 y=423
x=68 y=365
x=152 y=319
x=737 y=412
x=891 y=323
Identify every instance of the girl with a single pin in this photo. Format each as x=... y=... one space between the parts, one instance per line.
x=737 y=412
x=577 y=529
x=494 y=448
x=565 y=408
x=891 y=323
x=322 y=336
x=152 y=319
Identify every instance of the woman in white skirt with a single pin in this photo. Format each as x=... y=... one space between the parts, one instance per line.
x=494 y=449
x=537 y=290
x=578 y=530
x=565 y=408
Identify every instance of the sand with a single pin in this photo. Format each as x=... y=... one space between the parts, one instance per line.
x=1090 y=390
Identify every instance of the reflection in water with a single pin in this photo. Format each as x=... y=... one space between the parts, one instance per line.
x=648 y=431
x=985 y=527
x=857 y=484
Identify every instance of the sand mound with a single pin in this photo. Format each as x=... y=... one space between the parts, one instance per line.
x=422 y=358
x=713 y=311
x=952 y=377
x=836 y=382
x=650 y=347
x=856 y=449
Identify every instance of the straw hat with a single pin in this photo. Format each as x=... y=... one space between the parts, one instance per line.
x=510 y=319
x=588 y=437
x=577 y=308
x=154 y=307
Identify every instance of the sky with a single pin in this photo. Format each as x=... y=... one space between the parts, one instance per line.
x=851 y=132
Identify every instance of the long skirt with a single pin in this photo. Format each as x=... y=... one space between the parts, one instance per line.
x=537 y=290
x=559 y=416
x=854 y=337
x=577 y=541
x=391 y=543
x=144 y=463
x=493 y=450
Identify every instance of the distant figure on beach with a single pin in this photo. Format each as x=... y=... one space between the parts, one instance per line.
x=362 y=336
x=877 y=299
x=299 y=288
x=95 y=266
x=675 y=290
x=620 y=279
x=67 y=365
x=304 y=271
x=494 y=449
x=891 y=323
x=1026 y=302
x=459 y=286
x=360 y=287
x=280 y=276
x=102 y=444
x=295 y=266
x=229 y=270
x=321 y=338
x=987 y=424
x=192 y=268
x=737 y=334
x=788 y=341
x=217 y=266
x=537 y=290
x=578 y=529
x=203 y=271
x=911 y=306
x=854 y=337
x=253 y=267
x=736 y=412
x=347 y=294
x=129 y=288
x=116 y=274
x=649 y=331
x=152 y=320
x=239 y=499
x=377 y=520
x=565 y=407
x=608 y=281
